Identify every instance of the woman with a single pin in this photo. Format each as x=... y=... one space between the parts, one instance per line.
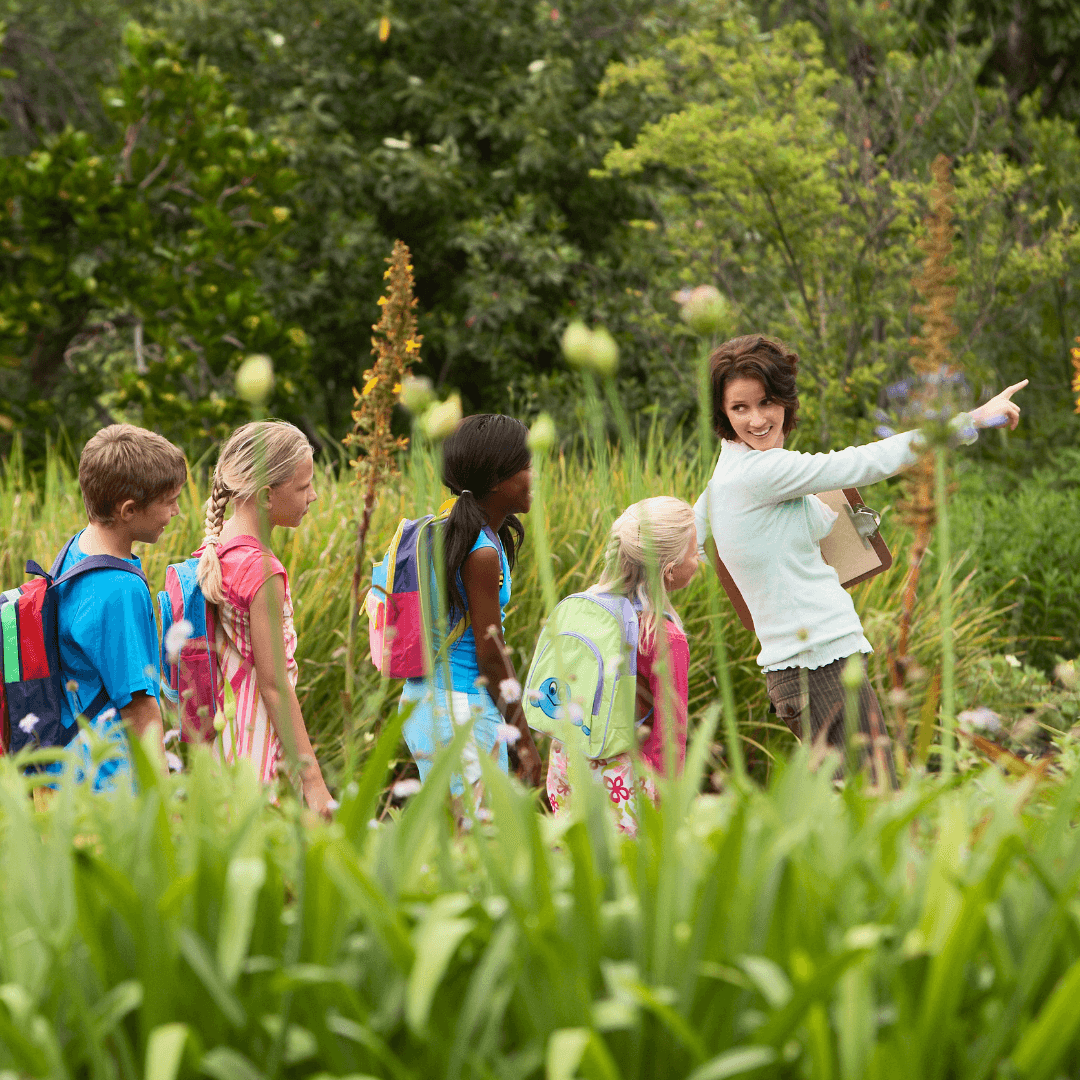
x=760 y=509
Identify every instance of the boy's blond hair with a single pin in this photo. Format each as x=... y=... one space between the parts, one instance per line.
x=647 y=540
x=264 y=453
x=124 y=462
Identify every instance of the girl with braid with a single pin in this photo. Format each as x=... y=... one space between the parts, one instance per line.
x=266 y=471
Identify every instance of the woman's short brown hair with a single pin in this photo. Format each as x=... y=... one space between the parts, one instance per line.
x=754 y=356
x=124 y=462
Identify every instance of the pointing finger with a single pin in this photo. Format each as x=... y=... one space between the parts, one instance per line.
x=1010 y=390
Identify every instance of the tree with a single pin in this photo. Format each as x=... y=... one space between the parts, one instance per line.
x=800 y=192
x=128 y=285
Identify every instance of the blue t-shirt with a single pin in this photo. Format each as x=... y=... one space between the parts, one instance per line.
x=108 y=638
x=464 y=669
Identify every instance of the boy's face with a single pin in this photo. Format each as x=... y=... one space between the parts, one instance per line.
x=147 y=523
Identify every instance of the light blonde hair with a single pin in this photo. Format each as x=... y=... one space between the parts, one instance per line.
x=646 y=541
x=264 y=453
x=124 y=462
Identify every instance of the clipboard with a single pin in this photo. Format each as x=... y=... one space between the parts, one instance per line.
x=854 y=548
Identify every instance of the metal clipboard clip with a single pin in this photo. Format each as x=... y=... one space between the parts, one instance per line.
x=866 y=522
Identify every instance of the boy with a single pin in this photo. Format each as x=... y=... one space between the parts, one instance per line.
x=130 y=480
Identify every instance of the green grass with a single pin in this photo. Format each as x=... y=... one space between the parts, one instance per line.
x=782 y=932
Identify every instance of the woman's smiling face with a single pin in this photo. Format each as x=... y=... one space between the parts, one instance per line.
x=758 y=420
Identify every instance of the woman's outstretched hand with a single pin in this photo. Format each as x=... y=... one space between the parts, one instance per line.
x=999 y=410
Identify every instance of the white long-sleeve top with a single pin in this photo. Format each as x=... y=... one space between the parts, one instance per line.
x=760 y=509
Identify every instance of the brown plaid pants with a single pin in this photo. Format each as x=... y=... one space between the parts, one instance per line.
x=798 y=693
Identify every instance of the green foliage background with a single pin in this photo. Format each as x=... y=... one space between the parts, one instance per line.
x=542 y=161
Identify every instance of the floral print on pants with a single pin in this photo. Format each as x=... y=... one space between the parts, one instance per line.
x=615 y=774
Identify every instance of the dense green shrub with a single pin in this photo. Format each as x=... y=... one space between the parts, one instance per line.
x=1023 y=533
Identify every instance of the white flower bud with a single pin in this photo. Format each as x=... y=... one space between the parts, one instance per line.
x=440 y=420
x=175 y=637
x=417 y=393
x=703 y=309
x=575 y=343
x=542 y=434
x=255 y=379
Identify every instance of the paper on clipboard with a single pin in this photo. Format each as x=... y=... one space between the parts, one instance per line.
x=852 y=557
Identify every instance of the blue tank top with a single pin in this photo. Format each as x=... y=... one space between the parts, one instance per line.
x=464 y=669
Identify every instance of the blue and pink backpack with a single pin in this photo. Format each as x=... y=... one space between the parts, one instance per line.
x=399 y=602
x=33 y=682
x=194 y=683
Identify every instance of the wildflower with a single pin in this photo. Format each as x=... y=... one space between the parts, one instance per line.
x=852 y=676
x=703 y=308
x=255 y=379
x=1012 y=661
x=412 y=345
x=173 y=761
x=510 y=690
x=404 y=788
x=28 y=723
x=280 y=213
x=1068 y=674
x=175 y=637
x=507 y=733
x=440 y=420
x=384 y=28
x=417 y=393
x=219 y=721
x=536 y=66
x=542 y=434
x=370 y=385
x=575 y=343
x=980 y=719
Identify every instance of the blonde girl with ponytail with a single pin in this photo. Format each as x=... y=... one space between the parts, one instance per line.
x=651 y=553
x=266 y=472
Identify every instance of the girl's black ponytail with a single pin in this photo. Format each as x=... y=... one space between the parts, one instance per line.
x=484 y=450
x=462 y=528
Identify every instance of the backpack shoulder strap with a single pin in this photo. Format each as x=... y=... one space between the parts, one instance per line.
x=34 y=570
x=101 y=562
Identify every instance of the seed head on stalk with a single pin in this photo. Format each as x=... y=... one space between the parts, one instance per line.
x=395 y=345
x=931 y=402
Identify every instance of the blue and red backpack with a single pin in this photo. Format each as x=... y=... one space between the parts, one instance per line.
x=33 y=682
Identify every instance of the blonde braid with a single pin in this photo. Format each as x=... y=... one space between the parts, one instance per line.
x=209 y=572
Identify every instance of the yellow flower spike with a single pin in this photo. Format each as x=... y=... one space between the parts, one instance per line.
x=370 y=385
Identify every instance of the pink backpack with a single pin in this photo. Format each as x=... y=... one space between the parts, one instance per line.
x=194 y=683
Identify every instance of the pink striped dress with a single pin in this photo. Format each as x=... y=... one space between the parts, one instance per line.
x=244 y=570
